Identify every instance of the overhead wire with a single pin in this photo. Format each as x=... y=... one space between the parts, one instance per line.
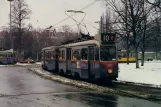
x=75 y=24
x=90 y=4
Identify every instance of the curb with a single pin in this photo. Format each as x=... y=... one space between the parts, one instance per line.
x=92 y=87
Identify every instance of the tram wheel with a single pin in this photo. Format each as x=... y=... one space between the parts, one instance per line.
x=61 y=72
x=77 y=76
x=109 y=82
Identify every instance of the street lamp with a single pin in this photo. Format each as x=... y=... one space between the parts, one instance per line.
x=10 y=25
x=78 y=23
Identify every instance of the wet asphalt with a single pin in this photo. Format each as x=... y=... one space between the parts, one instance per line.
x=21 y=88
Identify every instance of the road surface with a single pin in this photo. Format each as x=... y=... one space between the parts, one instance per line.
x=21 y=88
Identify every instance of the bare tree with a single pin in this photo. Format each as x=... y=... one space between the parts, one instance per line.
x=5 y=39
x=106 y=22
x=155 y=33
x=131 y=16
x=155 y=3
x=20 y=12
x=143 y=27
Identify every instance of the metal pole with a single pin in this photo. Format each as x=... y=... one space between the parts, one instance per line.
x=10 y=34
x=10 y=27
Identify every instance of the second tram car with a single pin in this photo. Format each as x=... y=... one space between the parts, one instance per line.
x=86 y=60
x=122 y=56
x=7 y=57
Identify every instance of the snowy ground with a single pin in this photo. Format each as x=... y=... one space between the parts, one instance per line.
x=149 y=74
x=3 y=65
x=24 y=64
x=39 y=63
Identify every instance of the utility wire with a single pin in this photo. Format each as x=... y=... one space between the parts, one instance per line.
x=90 y=4
x=75 y=24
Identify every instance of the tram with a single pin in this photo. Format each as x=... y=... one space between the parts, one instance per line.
x=122 y=56
x=7 y=57
x=90 y=59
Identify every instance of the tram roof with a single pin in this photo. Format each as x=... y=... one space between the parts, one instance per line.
x=7 y=51
x=89 y=42
x=49 y=48
x=52 y=47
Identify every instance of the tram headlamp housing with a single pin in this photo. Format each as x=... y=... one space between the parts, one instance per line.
x=110 y=71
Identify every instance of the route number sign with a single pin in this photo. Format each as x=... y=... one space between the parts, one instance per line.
x=108 y=38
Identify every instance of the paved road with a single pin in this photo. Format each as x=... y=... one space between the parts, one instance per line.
x=21 y=88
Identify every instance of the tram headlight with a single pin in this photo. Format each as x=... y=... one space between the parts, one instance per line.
x=110 y=71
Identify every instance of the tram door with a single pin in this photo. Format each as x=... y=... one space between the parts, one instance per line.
x=68 y=60
x=91 y=62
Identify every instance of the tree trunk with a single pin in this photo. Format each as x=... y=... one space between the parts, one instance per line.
x=127 y=56
x=37 y=56
x=136 y=56
x=142 y=58
x=156 y=56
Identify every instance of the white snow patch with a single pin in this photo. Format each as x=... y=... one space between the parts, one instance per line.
x=148 y=74
x=23 y=64
x=3 y=65
x=39 y=63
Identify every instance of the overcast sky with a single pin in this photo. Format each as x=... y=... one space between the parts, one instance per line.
x=49 y=12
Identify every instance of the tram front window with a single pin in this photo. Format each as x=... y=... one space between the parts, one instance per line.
x=108 y=53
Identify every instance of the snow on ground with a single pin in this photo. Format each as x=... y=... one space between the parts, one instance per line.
x=2 y=65
x=39 y=63
x=148 y=74
x=22 y=64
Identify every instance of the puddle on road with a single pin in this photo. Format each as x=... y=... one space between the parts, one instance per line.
x=97 y=100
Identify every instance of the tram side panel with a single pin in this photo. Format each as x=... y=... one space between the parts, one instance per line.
x=49 y=60
x=94 y=63
x=79 y=64
x=75 y=63
x=86 y=68
x=68 y=61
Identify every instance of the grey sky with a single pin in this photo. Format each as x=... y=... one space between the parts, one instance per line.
x=49 y=12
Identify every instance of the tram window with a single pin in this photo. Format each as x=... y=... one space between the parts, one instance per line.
x=108 y=53
x=46 y=54
x=96 y=54
x=63 y=54
x=50 y=55
x=84 y=53
x=42 y=55
x=124 y=55
x=76 y=55
x=91 y=54
x=119 y=56
x=68 y=54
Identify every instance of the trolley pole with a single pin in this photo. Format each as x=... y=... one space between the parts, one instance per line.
x=77 y=23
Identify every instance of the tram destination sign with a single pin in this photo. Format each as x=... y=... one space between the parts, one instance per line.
x=108 y=38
